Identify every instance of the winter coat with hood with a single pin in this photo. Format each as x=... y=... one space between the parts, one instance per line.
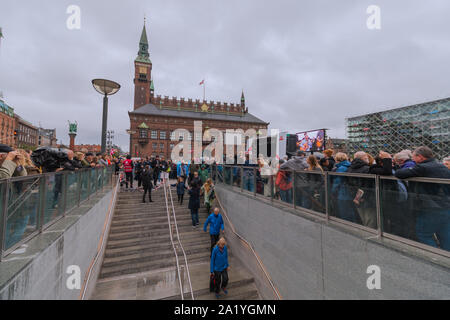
x=428 y=195
x=340 y=184
x=365 y=184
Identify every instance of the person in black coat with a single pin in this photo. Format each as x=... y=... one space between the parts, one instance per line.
x=431 y=200
x=147 y=178
x=156 y=166
x=194 y=203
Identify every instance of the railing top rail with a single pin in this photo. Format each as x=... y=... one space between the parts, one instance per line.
x=421 y=179
x=21 y=178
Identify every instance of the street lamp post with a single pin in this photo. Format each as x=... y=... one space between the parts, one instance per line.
x=106 y=88
x=131 y=132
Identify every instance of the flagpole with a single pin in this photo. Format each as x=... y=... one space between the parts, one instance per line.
x=204 y=90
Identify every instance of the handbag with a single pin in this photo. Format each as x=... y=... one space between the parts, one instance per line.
x=212 y=283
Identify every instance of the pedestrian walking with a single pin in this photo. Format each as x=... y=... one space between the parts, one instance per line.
x=215 y=221
x=181 y=186
x=219 y=266
x=147 y=178
x=194 y=203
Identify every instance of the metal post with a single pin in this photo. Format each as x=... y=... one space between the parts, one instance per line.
x=378 y=205
x=89 y=171
x=231 y=175
x=79 y=180
x=104 y=122
x=65 y=177
x=294 y=189
x=3 y=218
x=242 y=178
x=271 y=188
x=254 y=182
x=325 y=176
x=42 y=201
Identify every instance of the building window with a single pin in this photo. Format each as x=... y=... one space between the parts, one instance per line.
x=142 y=133
x=161 y=146
x=171 y=146
x=154 y=145
x=162 y=135
x=154 y=134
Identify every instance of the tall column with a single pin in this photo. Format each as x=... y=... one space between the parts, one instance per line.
x=72 y=141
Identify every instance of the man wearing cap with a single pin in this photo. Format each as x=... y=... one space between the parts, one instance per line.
x=9 y=163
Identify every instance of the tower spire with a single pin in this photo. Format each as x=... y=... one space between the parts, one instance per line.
x=143 y=54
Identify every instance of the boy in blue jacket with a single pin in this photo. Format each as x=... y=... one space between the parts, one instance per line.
x=219 y=266
x=216 y=221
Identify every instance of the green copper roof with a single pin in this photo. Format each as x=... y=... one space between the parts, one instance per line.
x=152 y=87
x=143 y=55
x=242 y=96
x=144 y=36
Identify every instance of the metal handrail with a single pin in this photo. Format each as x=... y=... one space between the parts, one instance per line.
x=178 y=238
x=171 y=240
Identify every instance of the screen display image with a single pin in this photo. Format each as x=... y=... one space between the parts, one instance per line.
x=311 y=140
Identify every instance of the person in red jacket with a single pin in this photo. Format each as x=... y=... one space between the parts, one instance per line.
x=128 y=168
x=284 y=183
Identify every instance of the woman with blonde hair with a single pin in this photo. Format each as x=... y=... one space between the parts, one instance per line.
x=313 y=164
x=219 y=266
x=315 y=186
x=207 y=191
x=27 y=164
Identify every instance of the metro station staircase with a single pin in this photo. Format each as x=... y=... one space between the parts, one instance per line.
x=139 y=261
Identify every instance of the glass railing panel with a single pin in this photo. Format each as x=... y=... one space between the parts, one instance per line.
x=236 y=171
x=84 y=193
x=227 y=171
x=262 y=183
x=353 y=198
x=72 y=189
x=310 y=191
x=54 y=197
x=418 y=211
x=248 y=179
x=93 y=182
x=22 y=209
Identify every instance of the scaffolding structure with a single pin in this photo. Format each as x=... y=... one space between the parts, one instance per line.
x=425 y=124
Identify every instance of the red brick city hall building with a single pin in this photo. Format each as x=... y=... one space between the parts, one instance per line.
x=154 y=118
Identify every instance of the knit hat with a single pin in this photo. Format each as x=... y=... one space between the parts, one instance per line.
x=5 y=148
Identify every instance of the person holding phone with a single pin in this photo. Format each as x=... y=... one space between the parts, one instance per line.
x=10 y=163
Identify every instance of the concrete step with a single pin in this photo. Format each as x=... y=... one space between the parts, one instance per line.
x=152 y=227
x=152 y=244
x=240 y=282
x=194 y=235
x=139 y=267
x=132 y=254
x=240 y=292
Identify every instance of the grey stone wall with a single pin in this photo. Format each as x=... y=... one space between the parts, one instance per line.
x=311 y=259
x=38 y=270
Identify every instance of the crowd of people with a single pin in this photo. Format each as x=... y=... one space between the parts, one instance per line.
x=18 y=162
x=411 y=209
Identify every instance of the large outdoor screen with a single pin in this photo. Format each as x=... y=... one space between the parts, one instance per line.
x=311 y=140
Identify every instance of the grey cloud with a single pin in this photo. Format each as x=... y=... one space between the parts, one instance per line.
x=302 y=64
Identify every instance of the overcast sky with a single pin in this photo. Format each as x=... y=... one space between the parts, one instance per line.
x=302 y=64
